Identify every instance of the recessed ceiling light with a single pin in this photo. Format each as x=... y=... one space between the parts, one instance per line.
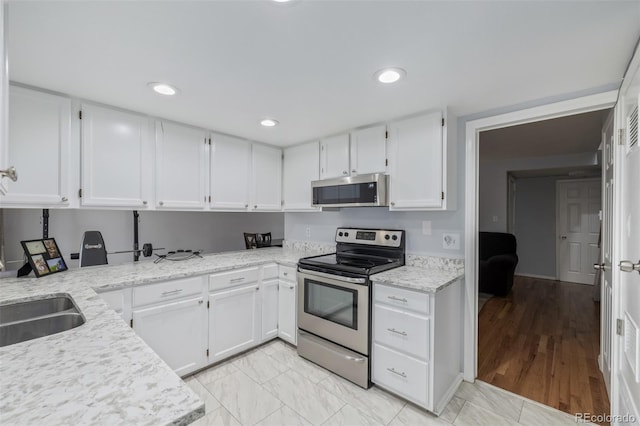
x=163 y=88
x=269 y=122
x=389 y=75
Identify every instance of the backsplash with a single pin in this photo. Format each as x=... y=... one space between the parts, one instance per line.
x=309 y=246
x=444 y=263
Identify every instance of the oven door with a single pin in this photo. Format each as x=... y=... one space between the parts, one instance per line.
x=335 y=308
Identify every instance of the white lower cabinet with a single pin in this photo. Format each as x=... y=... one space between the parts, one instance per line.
x=269 y=299
x=416 y=349
x=234 y=320
x=287 y=305
x=171 y=318
x=120 y=301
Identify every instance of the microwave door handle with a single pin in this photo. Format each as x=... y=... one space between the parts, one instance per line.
x=333 y=277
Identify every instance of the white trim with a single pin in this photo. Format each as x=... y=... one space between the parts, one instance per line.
x=543 y=277
x=472 y=130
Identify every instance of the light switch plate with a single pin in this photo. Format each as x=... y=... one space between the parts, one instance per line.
x=451 y=240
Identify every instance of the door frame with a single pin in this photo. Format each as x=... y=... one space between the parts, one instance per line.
x=473 y=128
x=558 y=182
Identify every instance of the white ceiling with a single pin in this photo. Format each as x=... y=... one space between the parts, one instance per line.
x=310 y=64
x=573 y=134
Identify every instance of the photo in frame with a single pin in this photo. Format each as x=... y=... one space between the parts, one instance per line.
x=44 y=256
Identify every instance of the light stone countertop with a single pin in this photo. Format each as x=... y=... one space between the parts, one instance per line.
x=102 y=373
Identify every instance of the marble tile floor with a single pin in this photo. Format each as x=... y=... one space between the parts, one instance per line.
x=272 y=386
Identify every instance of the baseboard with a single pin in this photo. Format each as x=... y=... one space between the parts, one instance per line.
x=543 y=277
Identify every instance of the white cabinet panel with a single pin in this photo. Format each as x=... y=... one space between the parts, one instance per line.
x=266 y=178
x=181 y=166
x=368 y=150
x=334 y=156
x=287 y=311
x=406 y=376
x=176 y=331
x=115 y=158
x=230 y=172
x=38 y=147
x=269 y=297
x=301 y=166
x=416 y=162
x=234 y=321
x=120 y=301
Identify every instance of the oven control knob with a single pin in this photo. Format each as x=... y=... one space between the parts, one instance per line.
x=346 y=234
x=340 y=234
x=386 y=237
x=395 y=237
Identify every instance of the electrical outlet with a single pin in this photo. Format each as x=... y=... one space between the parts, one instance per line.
x=308 y=232
x=451 y=241
x=426 y=227
x=494 y=219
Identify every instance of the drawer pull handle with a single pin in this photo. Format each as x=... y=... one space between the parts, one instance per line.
x=397 y=372
x=237 y=280
x=200 y=302
x=169 y=293
x=285 y=274
x=290 y=287
x=393 y=330
x=354 y=359
x=403 y=300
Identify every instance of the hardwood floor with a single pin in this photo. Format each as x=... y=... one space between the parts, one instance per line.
x=542 y=342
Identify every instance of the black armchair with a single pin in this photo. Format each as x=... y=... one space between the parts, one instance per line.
x=498 y=260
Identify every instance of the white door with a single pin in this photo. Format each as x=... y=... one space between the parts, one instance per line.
x=301 y=166
x=115 y=163
x=177 y=332
x=40 y=152
x=234 y=321
x=416 y=163
x=606 y=278
x=369 y=150
x=230 y=172
x=626 y=371
x=287 y=311
x=269 y=297
x=578 y=227
x=266 y=178
x=181 y=166
x=334 y=156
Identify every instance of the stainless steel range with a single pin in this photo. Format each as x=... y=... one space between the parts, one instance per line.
x=334 y=299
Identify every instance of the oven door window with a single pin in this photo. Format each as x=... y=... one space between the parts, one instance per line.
x=332 y=303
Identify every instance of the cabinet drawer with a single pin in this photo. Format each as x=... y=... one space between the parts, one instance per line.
x=400 y=373
x=170 y=290
x=402 y=298
x=232 y=278
x=270 y=271
x=287 y=273
x=401 y=330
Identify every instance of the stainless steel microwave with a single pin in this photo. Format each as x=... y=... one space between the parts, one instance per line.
x=368 y=190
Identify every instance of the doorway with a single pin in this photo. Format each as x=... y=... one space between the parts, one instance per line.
x=537 y=298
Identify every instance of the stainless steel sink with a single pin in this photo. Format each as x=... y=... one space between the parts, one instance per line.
x=24 y=321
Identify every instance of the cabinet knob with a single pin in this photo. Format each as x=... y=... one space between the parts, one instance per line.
x=64 y=199
x=257 y=288
x=392 y=203
x=144 y=202
x=246 y=206
x=200 y=302
x=291 y=287
x=255 y=206
x=353 y=171
x=344 y=172
x=161 y=203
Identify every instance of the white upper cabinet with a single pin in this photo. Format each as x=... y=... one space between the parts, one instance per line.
x=368 y=150
x=266 y=178
x=334 y=156
x=301 y=166
x=422 y=164
x=230 y=172
x=39 y=148
x=181 y=166
x=116 y=152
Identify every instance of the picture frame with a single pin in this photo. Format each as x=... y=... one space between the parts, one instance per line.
x=44 y=256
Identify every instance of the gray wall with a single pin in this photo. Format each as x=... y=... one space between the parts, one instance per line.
x=209 y=231
x=535 y=226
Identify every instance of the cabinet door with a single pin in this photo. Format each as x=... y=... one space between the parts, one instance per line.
x=334 y=156
x=115 y=158
x=230 y=172
x=177 y=332
x=234 y=321
x=269 y=296
x=415 y=163
x=368 y=150
x=287 y=312
x=266 y=174
x=39 y=147
x=301 y=166
x=181 y=166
